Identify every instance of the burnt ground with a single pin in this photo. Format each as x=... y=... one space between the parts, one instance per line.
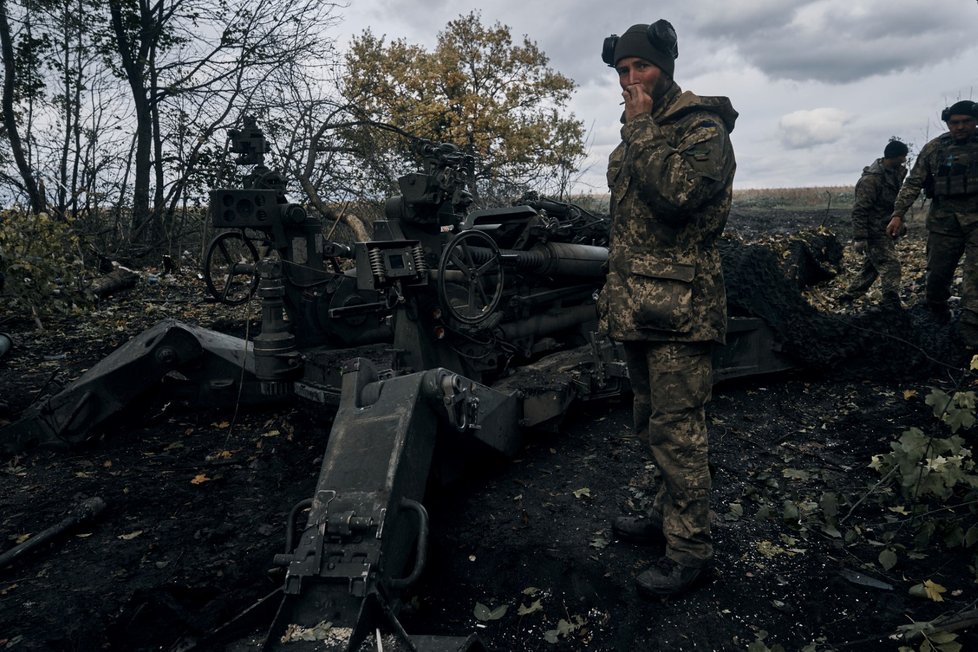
x=196 y=504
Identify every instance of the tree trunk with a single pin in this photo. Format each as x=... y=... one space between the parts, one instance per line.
x=69 y=115
x=156 y=231
x=114 y=281
x=356 y=225
x=10 y=119
x=76 y=108
x=134 y=57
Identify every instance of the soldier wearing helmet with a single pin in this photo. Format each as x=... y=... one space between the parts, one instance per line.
x=947 y=171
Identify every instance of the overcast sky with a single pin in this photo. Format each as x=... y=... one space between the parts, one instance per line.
x=821 y=85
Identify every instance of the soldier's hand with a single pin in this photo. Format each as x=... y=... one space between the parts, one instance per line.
x=895 y=227
x=859 y=246
x=637 y=101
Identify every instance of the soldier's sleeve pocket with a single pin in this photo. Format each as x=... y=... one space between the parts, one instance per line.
x=703 y=160
x=664 y=294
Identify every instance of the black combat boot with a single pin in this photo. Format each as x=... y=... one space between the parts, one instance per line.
x=638 y=529
x=891 y=300
x=667 y=578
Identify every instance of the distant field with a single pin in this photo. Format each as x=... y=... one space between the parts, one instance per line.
x=819 y=197
x=790 y=198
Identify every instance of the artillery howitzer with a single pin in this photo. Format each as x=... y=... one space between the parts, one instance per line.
x=486 y=319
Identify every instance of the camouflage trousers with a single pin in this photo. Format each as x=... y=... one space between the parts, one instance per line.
x=880 y=261
x=944 y=251
x=672 y=382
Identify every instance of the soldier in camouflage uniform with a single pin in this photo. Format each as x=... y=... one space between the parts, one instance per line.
x=947 y=171
x=872 y=209
x=671 y=186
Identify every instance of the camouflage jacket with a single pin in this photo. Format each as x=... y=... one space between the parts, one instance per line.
x=671 y=182
x=948 y=171
x=872 y=208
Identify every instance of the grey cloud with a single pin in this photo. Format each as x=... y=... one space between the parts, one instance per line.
x=737 y=19
x=830 y=63
x=803 y=129
x=837 y=41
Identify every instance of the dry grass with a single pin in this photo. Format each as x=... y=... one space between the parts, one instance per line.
x=789 y=198
x=819 y=197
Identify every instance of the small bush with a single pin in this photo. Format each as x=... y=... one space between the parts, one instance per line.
x=41 y=269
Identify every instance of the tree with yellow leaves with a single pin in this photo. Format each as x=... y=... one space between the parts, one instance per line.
x=497 y=100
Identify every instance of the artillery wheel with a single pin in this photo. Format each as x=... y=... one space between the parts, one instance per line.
x=231 y=268
x=470 y=277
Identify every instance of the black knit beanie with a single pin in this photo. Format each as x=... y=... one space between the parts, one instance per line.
x=637 y=41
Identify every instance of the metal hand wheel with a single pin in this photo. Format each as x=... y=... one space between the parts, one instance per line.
x=470 y=277
x=230 y=268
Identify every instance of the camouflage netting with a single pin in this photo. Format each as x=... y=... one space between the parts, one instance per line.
x=881 y=342
x=812 y=257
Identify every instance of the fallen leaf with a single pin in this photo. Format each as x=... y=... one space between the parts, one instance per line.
x=769 y=549
x=564 y=628
x=796 y=474
x=484 y=613
x=928 y=589
x=934 y=591
x=735 y=513
x=200 y=478
x=524 y=610
x=971 y=536
x=130 y=536
x=887 y=558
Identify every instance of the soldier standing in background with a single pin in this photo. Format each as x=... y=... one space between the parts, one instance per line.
x=671 y=184
x=872 y=209
x=947 y=172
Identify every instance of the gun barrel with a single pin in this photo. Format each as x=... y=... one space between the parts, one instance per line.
x=554 y=258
